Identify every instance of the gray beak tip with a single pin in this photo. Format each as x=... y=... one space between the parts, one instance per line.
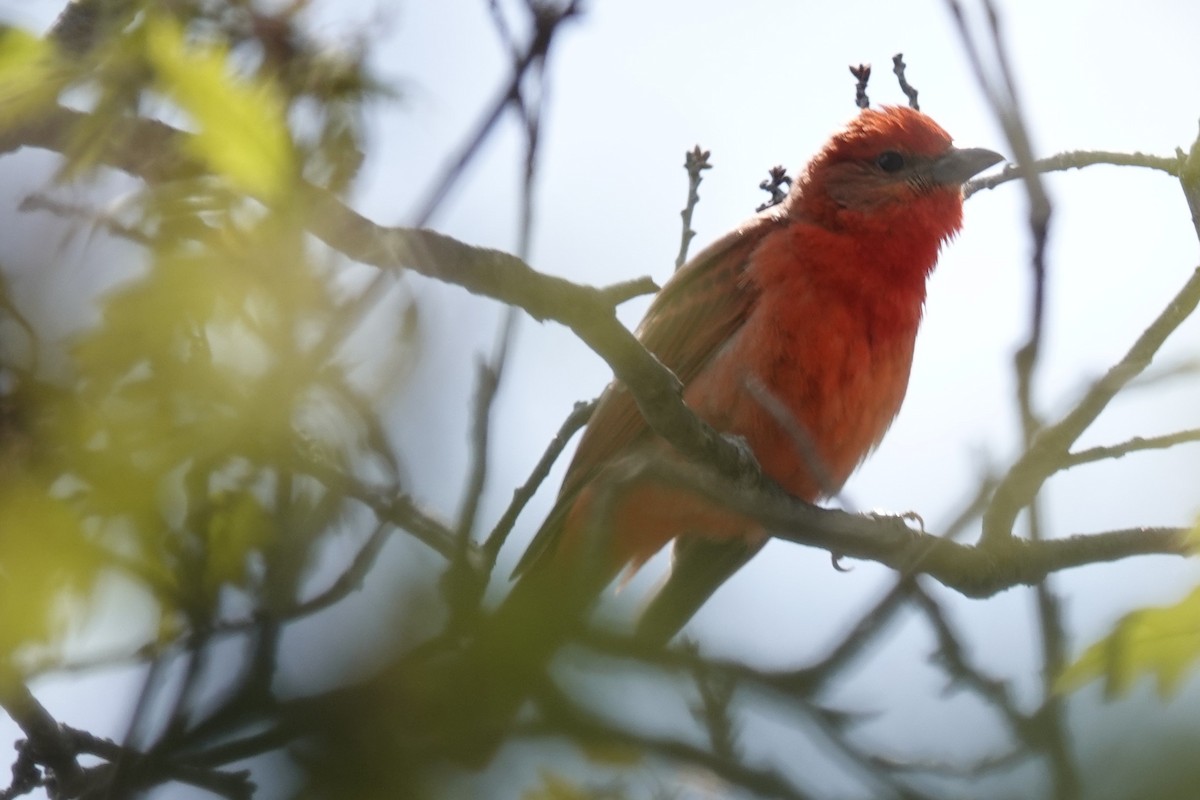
x=959 y=165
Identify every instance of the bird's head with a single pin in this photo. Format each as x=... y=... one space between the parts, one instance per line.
x=889 y=167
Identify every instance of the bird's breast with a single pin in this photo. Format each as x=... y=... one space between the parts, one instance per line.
x=812 y=380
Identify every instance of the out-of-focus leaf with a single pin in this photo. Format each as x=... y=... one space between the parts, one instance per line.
x=1163 y=642
x=242 y=126
x=29 y=79
x=613 y=754
x=46 y=565
x=238 y=526
x=556 y=787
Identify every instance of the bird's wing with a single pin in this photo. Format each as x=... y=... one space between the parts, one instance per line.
x=696 y=312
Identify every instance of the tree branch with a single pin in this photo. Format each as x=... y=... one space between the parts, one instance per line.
x=1075 y=159
x=1134 y=445
x=578 y=417
x=48 y=739
x=1048 y=452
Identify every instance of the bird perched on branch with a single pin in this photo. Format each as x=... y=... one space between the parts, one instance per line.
x=794 y=332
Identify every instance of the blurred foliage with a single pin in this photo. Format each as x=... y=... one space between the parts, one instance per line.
x=1160 y=642
x=29 y=81
x=174 y=454
x=240 y=127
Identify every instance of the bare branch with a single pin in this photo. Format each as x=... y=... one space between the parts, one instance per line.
x=998 y=85
x=390 y=506
x=1134 y=445
x=954 y=659
x=521 y=496
x=1048 y=452
x=1075 y=159
x=545 y=29
x=979 y=571
x=563 y=717
x=52 y=747
x=347 y=582
x=487 y=384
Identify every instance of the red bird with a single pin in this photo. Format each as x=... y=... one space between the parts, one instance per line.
x=795 y=332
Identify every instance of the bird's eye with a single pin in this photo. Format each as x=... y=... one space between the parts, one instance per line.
x=890 y=161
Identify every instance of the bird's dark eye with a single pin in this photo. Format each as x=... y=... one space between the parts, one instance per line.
x=890 y=161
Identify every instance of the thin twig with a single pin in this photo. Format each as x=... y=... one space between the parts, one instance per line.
x=954 y=658
x=388 y=505
x=348 y=581
x=462 y=584
x=539 y=46
x=1075 y=159
x=533 y=58
x=1135 y=445
x=1000 y=89
x=862 y=74
x=97 y=219
x=716 y=690
x=875 y=620
x=1048 y=452
x=487 y=384
x=695 y=161
x=801 y=439
x=899 y=67
x=563 y=717
x=1053 y=737
x=777 y=184
x=578 y=417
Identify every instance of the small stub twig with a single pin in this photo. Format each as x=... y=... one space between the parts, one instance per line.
x=777 y=184
x=861 y=73
x=898 y=67
x=695 y=162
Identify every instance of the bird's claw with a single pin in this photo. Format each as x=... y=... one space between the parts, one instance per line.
x=911 y=519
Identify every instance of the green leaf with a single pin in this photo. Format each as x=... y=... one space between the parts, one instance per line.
x=46 y=566
x=242 y=130
x=29 y=78
x=1163 y=642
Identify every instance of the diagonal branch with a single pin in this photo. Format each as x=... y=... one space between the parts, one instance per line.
x=578 y=417
x=51 y=745
x=1049 y=450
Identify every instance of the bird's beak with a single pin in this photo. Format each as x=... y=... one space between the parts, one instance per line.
x=958 y=166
